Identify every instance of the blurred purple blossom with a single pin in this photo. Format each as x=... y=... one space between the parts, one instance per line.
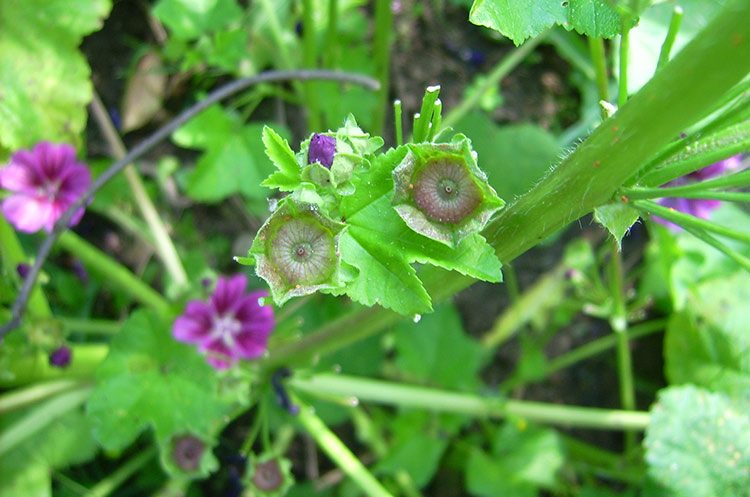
x=322 y=149
x=697 y=207
x=231 y=325
x=61 y=357
x=44 y=182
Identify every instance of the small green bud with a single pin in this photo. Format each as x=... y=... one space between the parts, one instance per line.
x=296 y=251
x=440 y=192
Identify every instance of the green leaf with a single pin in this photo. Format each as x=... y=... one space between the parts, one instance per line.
x=188 y=19
x=514 y=157
x=522 y=19
x=419 y=455
x=617 y=218
x=277 y=149
x=707 y=344
x=232 y=161
x=382 y=247
x=44 y=78
x=436 y=351
x=698 y=444
x=149 y=380
x=524 y=459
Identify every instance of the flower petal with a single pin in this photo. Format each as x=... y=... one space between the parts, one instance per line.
x=28 y=214
x=228 y=293
x=17 y=178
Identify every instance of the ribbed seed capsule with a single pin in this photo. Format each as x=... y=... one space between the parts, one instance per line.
x=440 y=192
x=296 y=252
x=445 y=192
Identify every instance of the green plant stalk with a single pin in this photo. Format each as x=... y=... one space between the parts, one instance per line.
x=622 y=91
x=11 y=256
x=674 y=28
x=737 y=180
x=309 y=51
x=600 y=345
x=18 y=399
x=570 y=46
x=724 y=196
x=330 y=55
x=599 y=58
x=381 y=48
x=41 y=417
x=31 y=368
x=398 y=394
x=685 y=220
x=683 y=92
x=619 y=323
x=164 y=245
x=340 y=453
x=701 y=234
x=121 y=474
x=114 y=273
x=502 y=69
x=398 y=119
x=101 y=327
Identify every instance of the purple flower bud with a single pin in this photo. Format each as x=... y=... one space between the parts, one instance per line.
x=80 y=271
x=60 y=358
x=23 y=270
x=322 y=149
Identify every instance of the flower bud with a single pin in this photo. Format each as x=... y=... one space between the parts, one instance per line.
x=322 y=149
x=61 y=357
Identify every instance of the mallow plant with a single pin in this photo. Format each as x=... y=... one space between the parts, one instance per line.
x=212 y=375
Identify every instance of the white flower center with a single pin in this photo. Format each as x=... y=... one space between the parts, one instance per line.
x=226 y=327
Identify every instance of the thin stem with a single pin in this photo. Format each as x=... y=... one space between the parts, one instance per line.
x=398 y=120
x=622 y=92
x=398 y=394
x=121 y=474
x=674 y=28
x=737 y=257
x=18 y=399
x=502 y=69
x=113 y=272
x=340 y=453
x=686 y=220
x=19 y=306
x=599 y=58
x=741 y=180
x=309 y=52
x=619 y=323
x=11 y=256
x=382 y=58
x=164 y=245
x=330 y=54
x=705 y=195
x=90 y=326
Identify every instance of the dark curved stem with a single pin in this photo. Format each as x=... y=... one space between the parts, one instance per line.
x=19 y=306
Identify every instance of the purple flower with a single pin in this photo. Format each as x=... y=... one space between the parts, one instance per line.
x=697 y=207
x=45 y=182
x=60 y=357
x=232 y=325
x=322 y=148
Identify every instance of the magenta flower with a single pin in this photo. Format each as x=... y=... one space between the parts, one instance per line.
x=44 y=183
x=322 y=149
x=231 y=325
x=697 y=207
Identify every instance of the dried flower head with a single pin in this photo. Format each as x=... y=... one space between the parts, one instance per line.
x=697 y=207
x=269 y=475
x=296 y=252
x=440 y=192
x=44 y=182
x=231 y=325
x=187 y=452
x=322 y=149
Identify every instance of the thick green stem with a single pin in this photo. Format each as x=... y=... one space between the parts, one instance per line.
x=340 y=453
x=309 y=53
x=398 y=394
x=599 y=58
x=674 y=28
x=330 y=54
x=18 y=399
x=164 y=246
x=381 y=48
x=113 y=272
x=101 y=327
x=11 y=256
x=32 y=368
x=622 y=92
x=502 y=69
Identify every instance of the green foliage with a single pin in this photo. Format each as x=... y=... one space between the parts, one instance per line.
x=519 y=20
x=188 y=19
x=698 y=444
x=436 y=351
x=44 y=78
x=617 y=218
x=149 y=380
x=232 y=161
x=277 y=149
x=524 y=459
